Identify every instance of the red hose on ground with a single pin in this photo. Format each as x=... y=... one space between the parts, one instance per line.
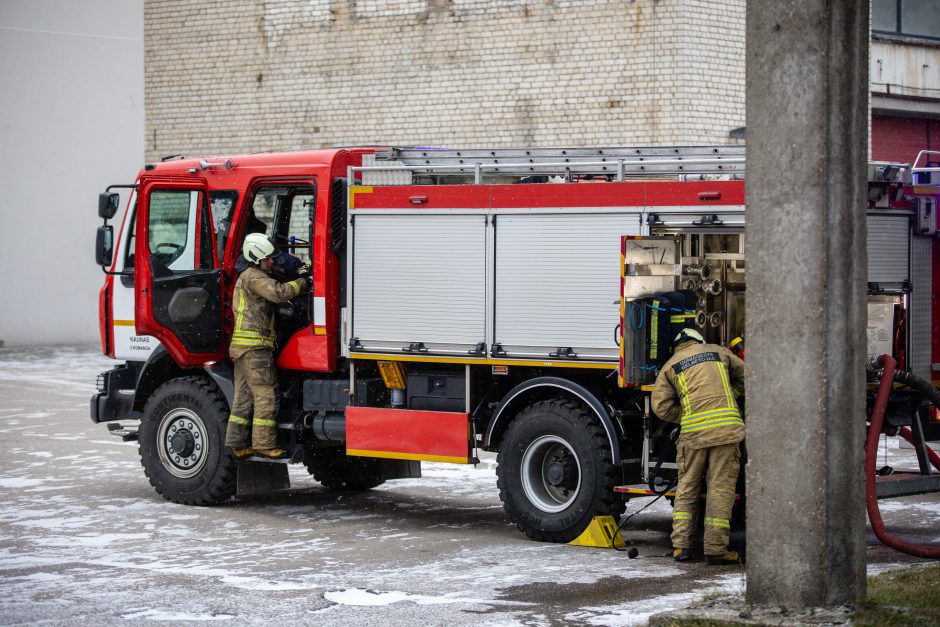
x=871 y=453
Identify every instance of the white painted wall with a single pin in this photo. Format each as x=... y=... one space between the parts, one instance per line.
x=71 y=122
x=905 y=69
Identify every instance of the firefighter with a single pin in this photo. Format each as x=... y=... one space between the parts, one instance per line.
x=696 y=388
x=251 y=424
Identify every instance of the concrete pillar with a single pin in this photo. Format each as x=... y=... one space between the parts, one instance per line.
x=807 y=147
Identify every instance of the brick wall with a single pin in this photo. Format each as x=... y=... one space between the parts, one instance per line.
x=231 y=76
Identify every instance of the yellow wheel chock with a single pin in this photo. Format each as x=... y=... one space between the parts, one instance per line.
x=602 y=532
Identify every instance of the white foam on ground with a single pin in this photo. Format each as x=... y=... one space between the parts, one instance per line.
x=19 y=482
x=356 y=596
x=168 y=615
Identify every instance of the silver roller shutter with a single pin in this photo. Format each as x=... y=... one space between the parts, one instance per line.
x=419 y=278
x=922 y=296
x=888 y=250
x=558 y=282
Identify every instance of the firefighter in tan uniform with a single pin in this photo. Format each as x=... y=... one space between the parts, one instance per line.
x=697 y=388
x=251 y=424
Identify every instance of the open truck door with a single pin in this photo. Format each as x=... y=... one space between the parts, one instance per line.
x=177 y=283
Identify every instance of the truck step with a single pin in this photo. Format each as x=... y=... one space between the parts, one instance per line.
x=632 y=491
x=906 y=483
x=297 y=455
x=125 y=433
x=268 y=460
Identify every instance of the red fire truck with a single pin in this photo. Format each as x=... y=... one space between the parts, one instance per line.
x=462 y=300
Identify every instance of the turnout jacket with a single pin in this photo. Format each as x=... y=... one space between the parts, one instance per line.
x=253 y=302
x=697 y=387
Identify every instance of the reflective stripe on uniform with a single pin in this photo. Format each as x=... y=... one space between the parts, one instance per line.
x=684 y=394
x=718 y=522
x=238 y=420
x=702 y=416
x=252 y=338
x=263 y=422
x=252 y=342
x=714 y=419
x=723 y=374
x=251 y=335
x=682 y=515
x=295 y=286
x=714 y=423
x=246 y=337
x=248 y=333
x=241 y=309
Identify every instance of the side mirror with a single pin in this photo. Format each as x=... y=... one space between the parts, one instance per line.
x=108 y=204
x=104 y=245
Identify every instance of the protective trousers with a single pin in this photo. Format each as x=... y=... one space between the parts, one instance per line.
x=721 y=463
x=251 y=421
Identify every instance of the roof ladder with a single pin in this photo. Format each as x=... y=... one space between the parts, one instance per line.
x=404 y=166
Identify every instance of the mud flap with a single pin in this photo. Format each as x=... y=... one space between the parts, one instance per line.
x=400 y=469
x=261 y=477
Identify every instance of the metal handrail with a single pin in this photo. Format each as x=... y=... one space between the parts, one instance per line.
x=924 y=153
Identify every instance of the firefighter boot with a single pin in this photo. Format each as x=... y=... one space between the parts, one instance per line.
x=728 y=558
x=682 y=555
x=271 y=453
x=264 y=438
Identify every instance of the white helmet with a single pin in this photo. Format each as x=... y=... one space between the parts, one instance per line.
x=257 y=247
x=688 y=334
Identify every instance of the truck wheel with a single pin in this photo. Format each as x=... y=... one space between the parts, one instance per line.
x=182 y=435
x=336 y=470
x=554 y=471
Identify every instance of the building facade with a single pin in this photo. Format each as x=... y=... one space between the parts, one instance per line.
x=233 y=76
x=905 y=78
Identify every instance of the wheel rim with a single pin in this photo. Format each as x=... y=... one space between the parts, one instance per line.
x=551 y=473
x=182 y=442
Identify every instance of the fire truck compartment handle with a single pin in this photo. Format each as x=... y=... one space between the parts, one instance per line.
x=709 y=195
x=417 y=200
x=712 y=219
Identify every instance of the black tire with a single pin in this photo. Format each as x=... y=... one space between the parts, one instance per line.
x=336 y=470
x=554 y=471
x=181 y=443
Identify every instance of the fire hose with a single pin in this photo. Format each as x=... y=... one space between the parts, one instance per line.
x=888 y=364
